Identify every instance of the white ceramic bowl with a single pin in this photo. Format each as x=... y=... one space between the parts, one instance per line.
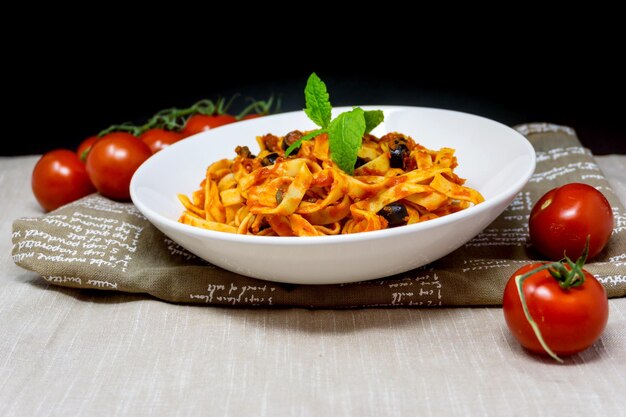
x=496 y=160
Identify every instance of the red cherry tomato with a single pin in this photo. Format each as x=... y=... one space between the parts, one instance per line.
x=158 y=139
x=60 y=178
x=563 y=218
x=201 y=122
x=112 y=162
x=570 y=320
x=252 y=116
x=84 y=147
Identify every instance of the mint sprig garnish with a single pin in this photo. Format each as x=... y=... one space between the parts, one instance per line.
x=345 y=132
x=372 y=119
x=318 y=106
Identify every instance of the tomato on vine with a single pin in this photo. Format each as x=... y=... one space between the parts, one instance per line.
x=201 y=122
x=107 y=162
x=59 y=178
x=562 y=219
x=202 y=115
x=158 y=138
x=556 y=308
x=113 y=160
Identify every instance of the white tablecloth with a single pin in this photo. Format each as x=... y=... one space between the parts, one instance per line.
x=77 y=353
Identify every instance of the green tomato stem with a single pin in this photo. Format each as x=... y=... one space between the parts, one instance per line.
x=223 y=105
x=259 y=107
x=175 y=119
x=519 y=280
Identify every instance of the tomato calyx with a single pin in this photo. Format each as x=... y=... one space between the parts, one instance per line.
x=574 y=276
x=568 y=274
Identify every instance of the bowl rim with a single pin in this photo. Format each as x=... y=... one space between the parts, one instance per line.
x=334 y=239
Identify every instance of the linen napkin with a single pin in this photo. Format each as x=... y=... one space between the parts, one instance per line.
x=100 y=244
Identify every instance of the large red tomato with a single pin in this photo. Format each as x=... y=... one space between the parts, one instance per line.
x=201 y=122
x=563 y=218
x=569 y=319
x=60 y=178
x=113 y=160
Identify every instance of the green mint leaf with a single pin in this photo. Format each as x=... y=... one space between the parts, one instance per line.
x=345 y=135
x=372 y=119
x=318 y=106
x=297 y=143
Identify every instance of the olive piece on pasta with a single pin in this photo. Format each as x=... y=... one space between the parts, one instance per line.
x=395 y=214
x=359 y=162
x=397 y=153
x=244 y=152
x=290 y=138
x=270 y=159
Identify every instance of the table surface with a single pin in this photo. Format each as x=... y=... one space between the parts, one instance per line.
x=67 y=352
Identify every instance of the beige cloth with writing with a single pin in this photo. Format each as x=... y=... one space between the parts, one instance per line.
x=101 y=244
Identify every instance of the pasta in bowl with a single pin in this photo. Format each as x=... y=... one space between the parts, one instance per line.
x=496 y=160
x=396 y=182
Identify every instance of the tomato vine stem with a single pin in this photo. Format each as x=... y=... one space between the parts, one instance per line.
x=260 y=107
x=175 y=119
x=519 y=280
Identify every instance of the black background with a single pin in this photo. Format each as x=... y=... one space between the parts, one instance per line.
x=65 y=94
